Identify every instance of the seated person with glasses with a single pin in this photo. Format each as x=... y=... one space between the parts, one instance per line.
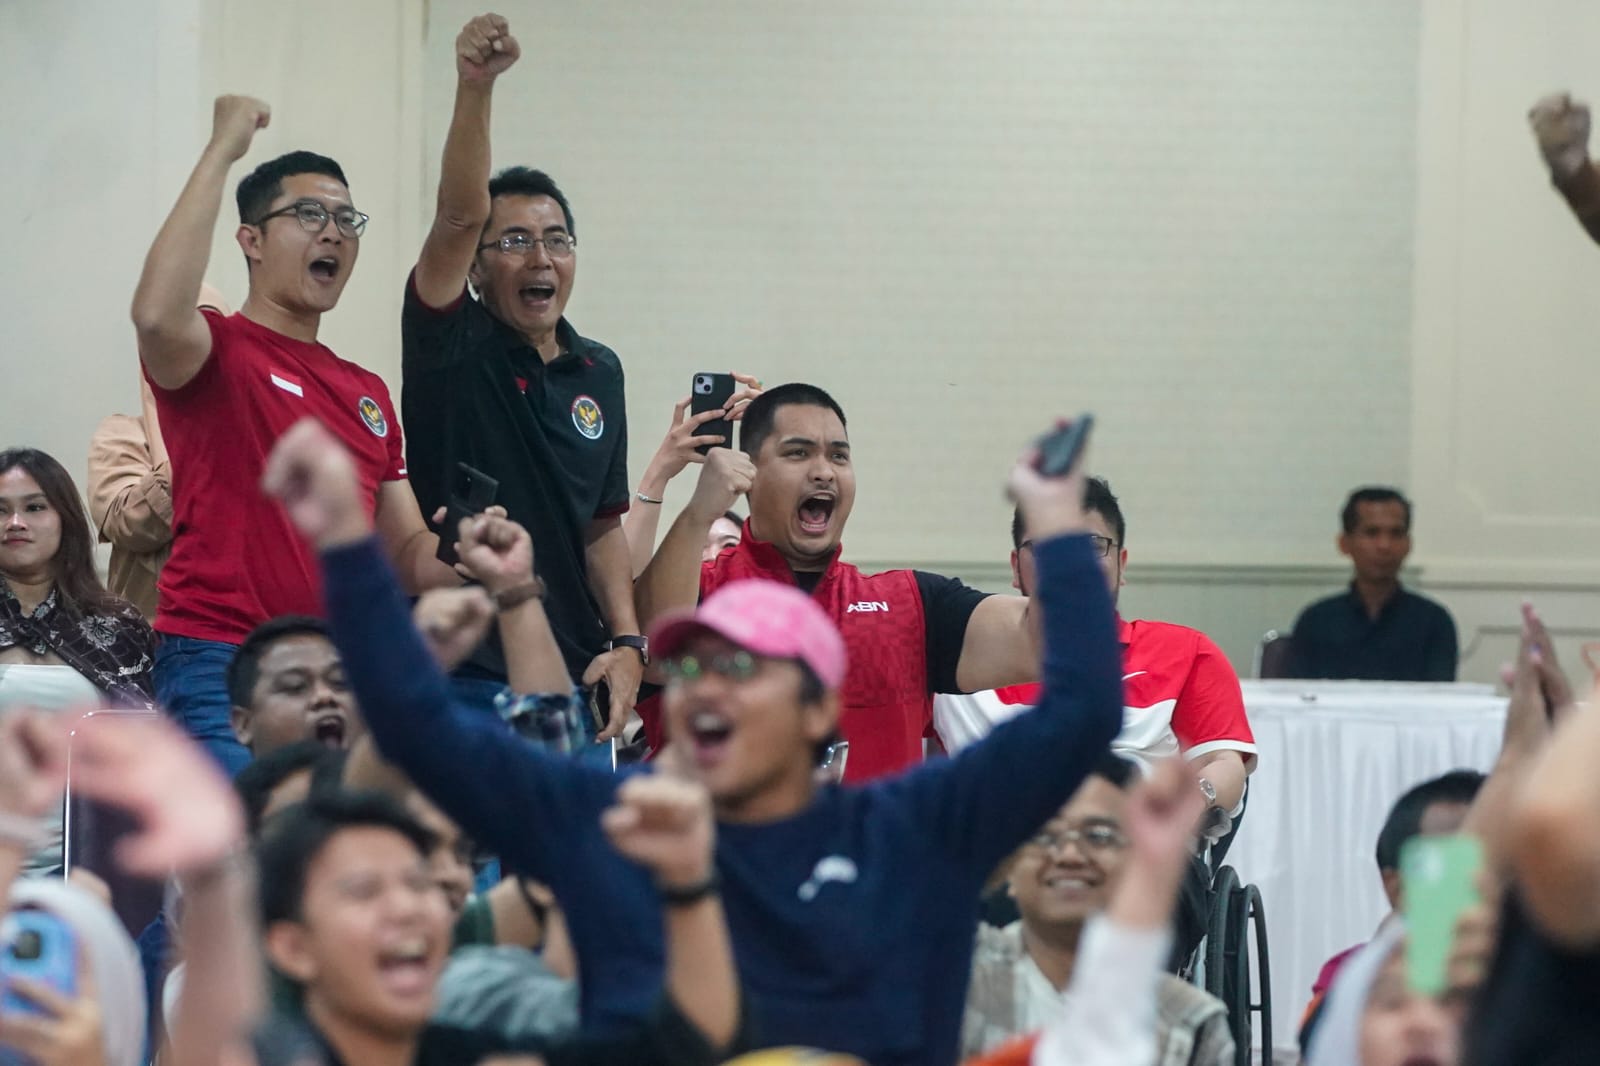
x=1181 y=694
x=1061 y=879
x=226 y=386
x=497 y=378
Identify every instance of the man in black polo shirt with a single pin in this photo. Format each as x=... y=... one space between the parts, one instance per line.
x=502 y=382
x=1378 y=630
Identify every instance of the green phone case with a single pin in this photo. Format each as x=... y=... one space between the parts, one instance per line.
x=1439 y=875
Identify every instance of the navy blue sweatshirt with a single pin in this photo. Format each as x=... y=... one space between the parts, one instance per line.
x=853 y=920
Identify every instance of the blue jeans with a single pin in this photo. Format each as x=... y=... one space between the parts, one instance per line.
x=479 y=693
x=191 y=678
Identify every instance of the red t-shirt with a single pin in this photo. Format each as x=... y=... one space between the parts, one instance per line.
x=237 y=560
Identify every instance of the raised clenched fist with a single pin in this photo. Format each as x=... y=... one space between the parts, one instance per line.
x=1561 y=125
x=234 y=121
x=726 y=475
x=665 y=825
x=485 y=49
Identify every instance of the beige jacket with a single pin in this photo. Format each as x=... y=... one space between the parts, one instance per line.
x=130 y=500
x=1010 y=997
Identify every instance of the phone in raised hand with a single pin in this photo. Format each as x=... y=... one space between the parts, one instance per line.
x=1060 y=448
x=1439 y=878
x=711 y=392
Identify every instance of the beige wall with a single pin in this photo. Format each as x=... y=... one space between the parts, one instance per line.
x=1280 y=248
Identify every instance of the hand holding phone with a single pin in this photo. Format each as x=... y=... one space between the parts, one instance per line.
x=35 y=946
x=471 y=493
x=1060 y=449
x=1438 y=875
x=711 y=392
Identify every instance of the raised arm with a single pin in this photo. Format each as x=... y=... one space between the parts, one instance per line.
x=990 y=798
x=484 y=50
x=1540 y=695
x=1552 y=830
x=1561 y=126
x=677 y=450
x=174 y=340
x=672 y=580
x=499 y=553
x=1110 y=1015
x=665 y=825
x=190 y=823
x=465 y=761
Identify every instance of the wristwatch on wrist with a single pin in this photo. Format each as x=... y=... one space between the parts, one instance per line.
x=1209 y=791
x=634 y=641
x=1216 y=823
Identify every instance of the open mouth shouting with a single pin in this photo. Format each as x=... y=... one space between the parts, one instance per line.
x=709 y=734
x=331 y=731
x=816 y=512
x=325 y=269
x=537 y=297
x=406 y=967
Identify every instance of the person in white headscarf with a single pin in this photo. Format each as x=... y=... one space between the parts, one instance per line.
x=110 y=1007
x=1374 y=1019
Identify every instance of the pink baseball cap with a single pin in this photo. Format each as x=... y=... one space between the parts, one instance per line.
x=765 y=617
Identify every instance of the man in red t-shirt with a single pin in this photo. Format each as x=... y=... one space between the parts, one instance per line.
x=226 y=387
x=910 y=633
x=1180 y=694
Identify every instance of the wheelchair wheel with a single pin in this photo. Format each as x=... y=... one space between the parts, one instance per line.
x=1263 y=968
x=1223 y=889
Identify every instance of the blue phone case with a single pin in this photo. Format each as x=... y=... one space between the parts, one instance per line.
x=54 y=964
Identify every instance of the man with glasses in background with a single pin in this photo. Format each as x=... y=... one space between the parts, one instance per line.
x=226 y=386
x=500 y=381
x=1061 y=879
x=1181 y=695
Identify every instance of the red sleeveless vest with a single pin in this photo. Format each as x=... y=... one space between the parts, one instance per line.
x=887 y=708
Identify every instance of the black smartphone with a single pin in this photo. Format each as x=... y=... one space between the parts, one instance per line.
x=711 y=392
x=471 y=493
x=1059 y=449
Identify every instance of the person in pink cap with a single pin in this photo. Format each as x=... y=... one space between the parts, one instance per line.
x=851 y=908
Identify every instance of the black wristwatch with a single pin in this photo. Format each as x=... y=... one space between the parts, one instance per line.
x=634 y=641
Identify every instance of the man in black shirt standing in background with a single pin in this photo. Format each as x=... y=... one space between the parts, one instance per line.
x=1378 y=630
x=502 y=382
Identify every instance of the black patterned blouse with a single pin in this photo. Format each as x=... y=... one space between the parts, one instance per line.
x=114 y=649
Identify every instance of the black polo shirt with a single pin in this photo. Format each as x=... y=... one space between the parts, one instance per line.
x=554 y=435
x=1412 y=639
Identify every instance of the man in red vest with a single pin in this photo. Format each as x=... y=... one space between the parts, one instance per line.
x=910 y=634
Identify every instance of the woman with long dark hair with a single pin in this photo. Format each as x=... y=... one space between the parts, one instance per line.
x=64 y=640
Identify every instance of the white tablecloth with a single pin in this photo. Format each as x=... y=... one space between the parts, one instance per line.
x=1334 y=756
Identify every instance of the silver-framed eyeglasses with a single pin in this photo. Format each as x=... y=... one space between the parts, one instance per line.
x=1096 y=839
x=313 y=217
x=556 y=245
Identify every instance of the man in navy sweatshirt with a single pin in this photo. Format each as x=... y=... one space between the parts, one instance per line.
x=852 y=908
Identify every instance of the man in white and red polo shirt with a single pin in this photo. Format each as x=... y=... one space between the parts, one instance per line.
x=1181 y=695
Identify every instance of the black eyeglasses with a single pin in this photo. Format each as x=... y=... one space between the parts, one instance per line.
x=556 y=245
x=1102 y=545
x=313 y=217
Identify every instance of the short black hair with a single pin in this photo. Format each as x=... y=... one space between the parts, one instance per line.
x=733 y=516
x=1097 y=498
x=1405 y=818
x=293 y=839
x=264 y=184
x=1115 y=769
x=525 y=181
x=1372 y=494
x=756 y=426
x=257 y=781
x=244 y=669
